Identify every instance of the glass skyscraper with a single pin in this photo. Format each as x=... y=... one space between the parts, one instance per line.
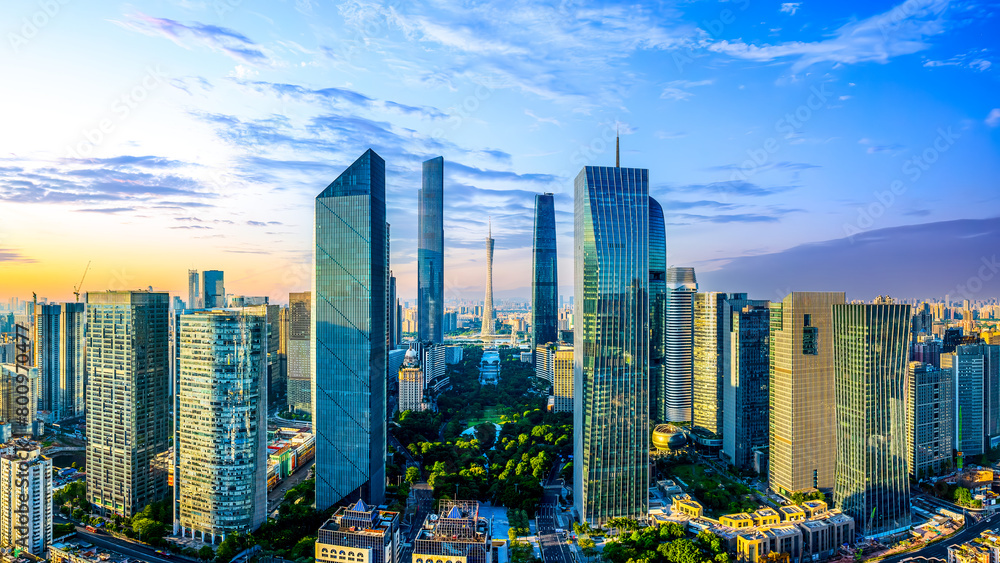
x=221 y=430
x=430 y=253
x=194 y=290
x=611 y=343
x=745 y=394
x=657 y=304
x=59 y=356
x=128 y=376
x=870 y=346
x=213 y=289
x=545 y=274
x=675 y=393
x=349 y=335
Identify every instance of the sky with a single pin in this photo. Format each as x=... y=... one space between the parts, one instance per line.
x=149 y=138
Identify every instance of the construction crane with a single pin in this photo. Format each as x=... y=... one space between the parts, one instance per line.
x=76 y=290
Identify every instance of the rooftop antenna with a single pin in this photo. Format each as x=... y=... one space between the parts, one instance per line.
x=617 y=153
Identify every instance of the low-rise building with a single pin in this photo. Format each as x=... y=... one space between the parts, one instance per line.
x=823 y=536
x=359 y=534
x=792 y=513
x=456 y=534
x=754 y=545
x=684 y=504
x=766 y=517
x=738 y=521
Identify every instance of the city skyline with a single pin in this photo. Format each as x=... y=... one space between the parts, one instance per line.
x=771 y=129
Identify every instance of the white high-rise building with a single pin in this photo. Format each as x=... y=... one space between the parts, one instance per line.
x=25 y=497
x=411 y=383
x=675 y=396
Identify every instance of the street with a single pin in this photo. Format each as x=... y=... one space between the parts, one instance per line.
x=125 y=548
x=424 y=496
x=552 y=545
x=274 y=497
x=939 y=550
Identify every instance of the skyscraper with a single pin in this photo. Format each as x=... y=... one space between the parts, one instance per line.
x=213 y=289
x=488 y=328
x=127 y=398
x=545 y=274
x=394 y=335
x=975 y=370
x=930 y=410
x=746 y=374
x=710 y=339
x=657 y=304
x=802 y=413
x=59 y=349
x=612 y=333
x=349 y=334
x=299 y=344
x=675 y=393
x=430 y=253
x=221 y=430
x=194 y=290
x=25 y=497
x=870 y=344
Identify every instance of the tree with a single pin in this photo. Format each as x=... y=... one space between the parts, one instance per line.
x=963 y=497
x=587 y=547
x=206 y=553
x=412 y=475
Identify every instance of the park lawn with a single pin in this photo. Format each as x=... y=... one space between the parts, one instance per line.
x=703 y=483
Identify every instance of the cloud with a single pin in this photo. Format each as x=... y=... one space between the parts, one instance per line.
x=671 y=205
x=903 y=30
x=551 y=120
x=107 y=210
x=973 y=60
x=790 y=7
x=263 y=223
x=894 y=148
x=733 y=188
x=10 y=255
x=221 y=39
x=993 y=119
x=337 y=96
x=677 y=89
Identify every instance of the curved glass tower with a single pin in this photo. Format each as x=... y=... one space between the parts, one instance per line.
x=611 y=343
x=430 y=253
x=657 y=302
x=545 y=274
x=675 y=392
x=870 y=346
x=349 y=334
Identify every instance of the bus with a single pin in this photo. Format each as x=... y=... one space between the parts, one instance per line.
x=91 y=529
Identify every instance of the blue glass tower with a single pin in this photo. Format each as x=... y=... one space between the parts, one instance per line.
x=349 y=335
x=657 y=303
x=545 y=274
x=611 y=343
x=213 y=289
x=430 y=253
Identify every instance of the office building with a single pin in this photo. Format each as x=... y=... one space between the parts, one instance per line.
x=870 y=343
x=802 y=411
x=930 y=426
x=457 y=532
x=59 y=354
x=562 y=388
x=489 y=318
x=433 y=360
x=545 y=355
x=360 y=534
x=127 y=364
x=675 y=393
x=545 y=273
x=711 y=335
x=611 y=400
x=411 y=383
x=430 y=253
x=299 y=345
x=350 y=334
x=194 y=291
x=221 y=433
x=657 y=306
x=746 y=391
x=25 y=497
x=975 y=371
x=213 y=292
x=489 y=367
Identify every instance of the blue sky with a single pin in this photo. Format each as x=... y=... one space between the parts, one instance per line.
x=153 y=137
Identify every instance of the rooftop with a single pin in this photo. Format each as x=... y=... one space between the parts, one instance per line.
x=90 y=552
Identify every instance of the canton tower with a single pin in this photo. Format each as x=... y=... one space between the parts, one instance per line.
x=488 y=303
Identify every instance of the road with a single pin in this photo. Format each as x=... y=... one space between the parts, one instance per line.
x=552 y=546
x=939 y=550
x=274 y=497
x=424 y=496
x=126 y=548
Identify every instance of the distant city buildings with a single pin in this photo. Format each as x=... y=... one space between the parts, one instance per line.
x=127 y=364
x=545 y=273
x=803 y=422
x=870 y=343
x=300 y=378
x=612 y=341
x=350 y=334
x=19 y=400
x=25 y=497
x=430 y=253
x=221 y=431
x=59 y=355
x=675 y=393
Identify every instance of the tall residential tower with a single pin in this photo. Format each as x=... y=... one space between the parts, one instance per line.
x=675 y=393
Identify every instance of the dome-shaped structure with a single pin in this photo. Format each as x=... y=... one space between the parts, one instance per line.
x=668 y=437
x=412 y=358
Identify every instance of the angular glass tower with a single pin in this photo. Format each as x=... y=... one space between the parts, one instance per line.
x=545 y=278
x=349 y=335
x=611 y=351
x=675 y=392
x=870 y=345
x=430 y=253
x=745 y=380
x=657 y=303
x=220 y=405
x=214 y=290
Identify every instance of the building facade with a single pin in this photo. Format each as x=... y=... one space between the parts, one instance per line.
x=657 y=306
x=194 y=291
x=746 y=390
x=929 y=420
x=60 y=354
x=360 y=534
x=213 y=292
x=675 y=394
x=562 y=387
x=299 y=380
x=221 y=433
x=25 y=497
x=350 y=333
x=457 y=533
x=545 y=274
x=411 y=383
x=127 y=398
x=430 y=253
x=611 y=343
x=802 y=410
x=870 y=343
x=712 y=318
x=18 y=400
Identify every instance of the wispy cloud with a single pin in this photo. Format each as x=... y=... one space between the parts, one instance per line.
x=993 y=119
x=344 y=97
x=679 y=89
x=790 y=7
x=221 y=39
x=11 y=255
